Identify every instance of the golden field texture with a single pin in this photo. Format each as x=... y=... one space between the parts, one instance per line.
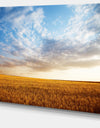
x=70 y=95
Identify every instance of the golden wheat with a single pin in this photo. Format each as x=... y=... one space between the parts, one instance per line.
x=70 y=95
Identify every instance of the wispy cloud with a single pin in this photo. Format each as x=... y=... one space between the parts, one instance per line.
x=29 y=43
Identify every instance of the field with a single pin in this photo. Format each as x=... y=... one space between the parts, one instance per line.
x=70 y=95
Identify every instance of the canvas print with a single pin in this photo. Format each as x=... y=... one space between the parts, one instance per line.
x=50 y=56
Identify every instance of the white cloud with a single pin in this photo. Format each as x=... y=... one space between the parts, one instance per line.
x=78 y=46
x=38 y=17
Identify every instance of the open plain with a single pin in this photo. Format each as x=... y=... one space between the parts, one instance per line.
x=70 y=95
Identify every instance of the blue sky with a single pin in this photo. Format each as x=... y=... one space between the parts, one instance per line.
x=40 y=40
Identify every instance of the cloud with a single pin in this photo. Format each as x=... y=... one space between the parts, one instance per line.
x=32 y=48
x=19 y=29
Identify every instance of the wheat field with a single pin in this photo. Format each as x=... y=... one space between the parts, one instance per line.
x=70 y=95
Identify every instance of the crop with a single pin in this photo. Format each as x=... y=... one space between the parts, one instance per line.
x=70 y=95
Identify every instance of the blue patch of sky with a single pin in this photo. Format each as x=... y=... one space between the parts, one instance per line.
x=60 y=15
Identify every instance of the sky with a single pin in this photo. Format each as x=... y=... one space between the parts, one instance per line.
x=51 y=42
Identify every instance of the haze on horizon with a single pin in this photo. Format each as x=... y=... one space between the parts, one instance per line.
x=52 y=42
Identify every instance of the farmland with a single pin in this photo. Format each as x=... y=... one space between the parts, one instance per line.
x=70 y=95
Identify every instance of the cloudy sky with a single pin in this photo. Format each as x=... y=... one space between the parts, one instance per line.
x=52 y=42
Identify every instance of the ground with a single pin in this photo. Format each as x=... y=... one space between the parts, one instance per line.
x=70 y=95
